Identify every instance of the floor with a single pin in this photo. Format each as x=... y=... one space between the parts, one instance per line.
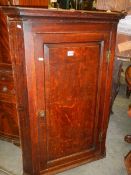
x=10 y=159
x=120 y=125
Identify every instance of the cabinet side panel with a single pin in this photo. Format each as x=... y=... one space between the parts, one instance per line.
x=109 y=78
x=8 y=120
x=19 y=71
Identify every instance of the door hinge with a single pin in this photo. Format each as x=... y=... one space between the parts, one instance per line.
x=100 y=137
x=108 y=54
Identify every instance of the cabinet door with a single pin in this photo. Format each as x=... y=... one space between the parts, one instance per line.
x=70 y=90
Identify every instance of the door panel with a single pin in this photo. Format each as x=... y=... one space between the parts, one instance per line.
x=71 y=89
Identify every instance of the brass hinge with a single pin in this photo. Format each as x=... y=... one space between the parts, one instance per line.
x=108 y=54
x=100 y=136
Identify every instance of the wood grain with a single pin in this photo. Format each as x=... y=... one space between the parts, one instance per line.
x=4 y=40
x=38 y=3
x=8 y=121
x=4 y=2
x=71 y=102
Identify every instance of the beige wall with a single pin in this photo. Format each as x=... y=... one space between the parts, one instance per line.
x=113 y=5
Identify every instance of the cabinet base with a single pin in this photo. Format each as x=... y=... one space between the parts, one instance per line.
x=70 y=165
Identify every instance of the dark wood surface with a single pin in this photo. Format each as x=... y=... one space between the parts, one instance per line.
x=27 y=3
x=4 y=2
x=8 y=120
x=128 y=81
x=128 y=163
x=63 y=79
x=4 y=41
x=8 y=113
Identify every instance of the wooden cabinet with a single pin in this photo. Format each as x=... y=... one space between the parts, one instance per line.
x=35 y=3
x=63 y=64
x=9 y=129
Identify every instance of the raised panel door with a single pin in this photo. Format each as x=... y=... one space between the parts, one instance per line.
x=70 y=93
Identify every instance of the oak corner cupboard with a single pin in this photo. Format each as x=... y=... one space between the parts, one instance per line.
x=62 y=63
